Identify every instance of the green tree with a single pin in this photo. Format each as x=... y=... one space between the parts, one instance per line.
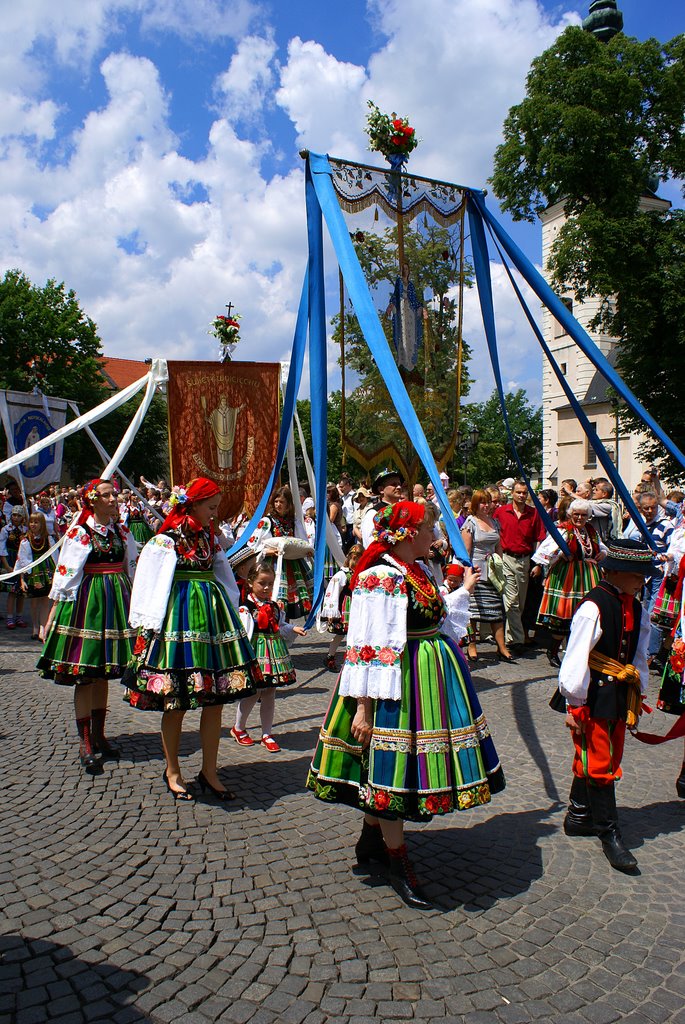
x=371 y=418
x=493 y=459
x=600 y=126
x=47 y=341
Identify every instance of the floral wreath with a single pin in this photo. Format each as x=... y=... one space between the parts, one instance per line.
x=90 y=491
x=178 y=498
x=384 y=534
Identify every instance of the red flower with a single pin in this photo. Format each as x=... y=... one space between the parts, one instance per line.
x=73 y=532
x=367 y=653
x=446 y=802
x=389 y=585
x=387 y=656
x=432 y=804
x=381 y=800
x=371 y=581
x=133 y=698
x=139 y=645
x=62 y=570
x=397 y=124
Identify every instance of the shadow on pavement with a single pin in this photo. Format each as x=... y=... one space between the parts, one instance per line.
x=32 y=969
x=475 y=867
x=651 y=820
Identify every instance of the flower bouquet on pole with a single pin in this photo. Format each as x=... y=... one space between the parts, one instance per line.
x=227 y=331
x=390 y=135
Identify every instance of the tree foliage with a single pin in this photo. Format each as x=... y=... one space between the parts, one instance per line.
x=48 y=342
x=601 y=125
x=371 y=418
x=493 y=458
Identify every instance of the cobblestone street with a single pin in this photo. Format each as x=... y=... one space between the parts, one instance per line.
x=119 y=905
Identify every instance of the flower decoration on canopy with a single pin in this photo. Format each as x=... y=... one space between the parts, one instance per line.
x=389 y=134
x=227 y=330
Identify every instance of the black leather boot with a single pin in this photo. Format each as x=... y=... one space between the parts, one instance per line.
x=403 y=880
x=89 y=759
x=578 y=820
x=370 y=845
x=605 y=819
x=680 y=782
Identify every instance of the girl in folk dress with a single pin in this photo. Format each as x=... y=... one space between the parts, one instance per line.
x=11 y=537
x=269 y=632
x=569 y=579
x=404 y=737
x=666 y=611
x=297 y=585
x=36 y=582
x=336 y=604
x=192 y=651
x=88 y=638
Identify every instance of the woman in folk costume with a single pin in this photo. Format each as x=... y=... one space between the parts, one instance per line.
x=88 y=638
x=404 y=737
x=37 y=581
x=273 y=530
x=671 y=698
x=192 y=651
x=336 y=604
x=569 y=579
x=269 y=634
x=137 y=522
x=666 y=611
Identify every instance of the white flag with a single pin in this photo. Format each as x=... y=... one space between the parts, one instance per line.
x=27 y=419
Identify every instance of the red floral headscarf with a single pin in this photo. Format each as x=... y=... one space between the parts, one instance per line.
x=199 y=489
x=392 y=524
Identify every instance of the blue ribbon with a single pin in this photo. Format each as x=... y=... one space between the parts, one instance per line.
x=571 y=325
x=585 y=423
x=291 y=390
x=319 y=385
x=321 y=175
x=481 y=262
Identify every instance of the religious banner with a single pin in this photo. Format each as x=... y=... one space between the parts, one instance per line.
x=27 y=419
x=223 y=423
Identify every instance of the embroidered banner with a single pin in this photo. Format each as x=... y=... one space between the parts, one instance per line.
x=27 y=420
x=223 y=423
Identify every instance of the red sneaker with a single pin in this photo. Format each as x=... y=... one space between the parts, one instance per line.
x=270 y=743
x=21 y=624
x=243 y=738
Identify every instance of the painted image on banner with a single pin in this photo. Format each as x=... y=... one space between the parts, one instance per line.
x=220 y=415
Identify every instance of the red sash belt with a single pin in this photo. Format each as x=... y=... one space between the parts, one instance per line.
x=102 y=568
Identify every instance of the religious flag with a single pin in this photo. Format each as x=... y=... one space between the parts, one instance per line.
x=27 y=419
x=223 y=423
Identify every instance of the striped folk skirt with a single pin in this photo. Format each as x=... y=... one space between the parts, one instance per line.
x=296 y=589
x=666 y=611
x=274 y=660
x=430 y=753
x=486 y=603
x=141 y=531
x=90 y=637
x=565 y=587
x=200 y=657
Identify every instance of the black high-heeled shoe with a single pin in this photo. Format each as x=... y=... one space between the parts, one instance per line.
x=554 y=659
x=178 y=794
x=220 y=794
x=506 y=657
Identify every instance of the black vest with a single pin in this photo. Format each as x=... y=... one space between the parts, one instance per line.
x=607 y=698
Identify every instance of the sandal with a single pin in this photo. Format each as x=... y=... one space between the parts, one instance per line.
x=270 y=743
x=241 y=737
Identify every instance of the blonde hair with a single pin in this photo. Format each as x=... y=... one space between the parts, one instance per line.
x=38 y=517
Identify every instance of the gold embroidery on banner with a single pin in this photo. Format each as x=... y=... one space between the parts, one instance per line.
x=223 y=475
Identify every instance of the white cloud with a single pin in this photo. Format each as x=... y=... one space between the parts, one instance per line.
x=519 y=353
x=323 y=98
x=246 y=85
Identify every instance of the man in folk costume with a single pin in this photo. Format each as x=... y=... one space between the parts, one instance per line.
x=603 y=678
x=387 y=488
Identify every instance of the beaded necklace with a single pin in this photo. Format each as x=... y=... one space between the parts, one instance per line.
x=419 y=579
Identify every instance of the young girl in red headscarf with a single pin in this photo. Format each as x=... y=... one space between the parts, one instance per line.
x=88 y=638
x=192 y=651
x=405 y=737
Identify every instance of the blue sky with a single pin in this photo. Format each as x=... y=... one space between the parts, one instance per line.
x=148 y=148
